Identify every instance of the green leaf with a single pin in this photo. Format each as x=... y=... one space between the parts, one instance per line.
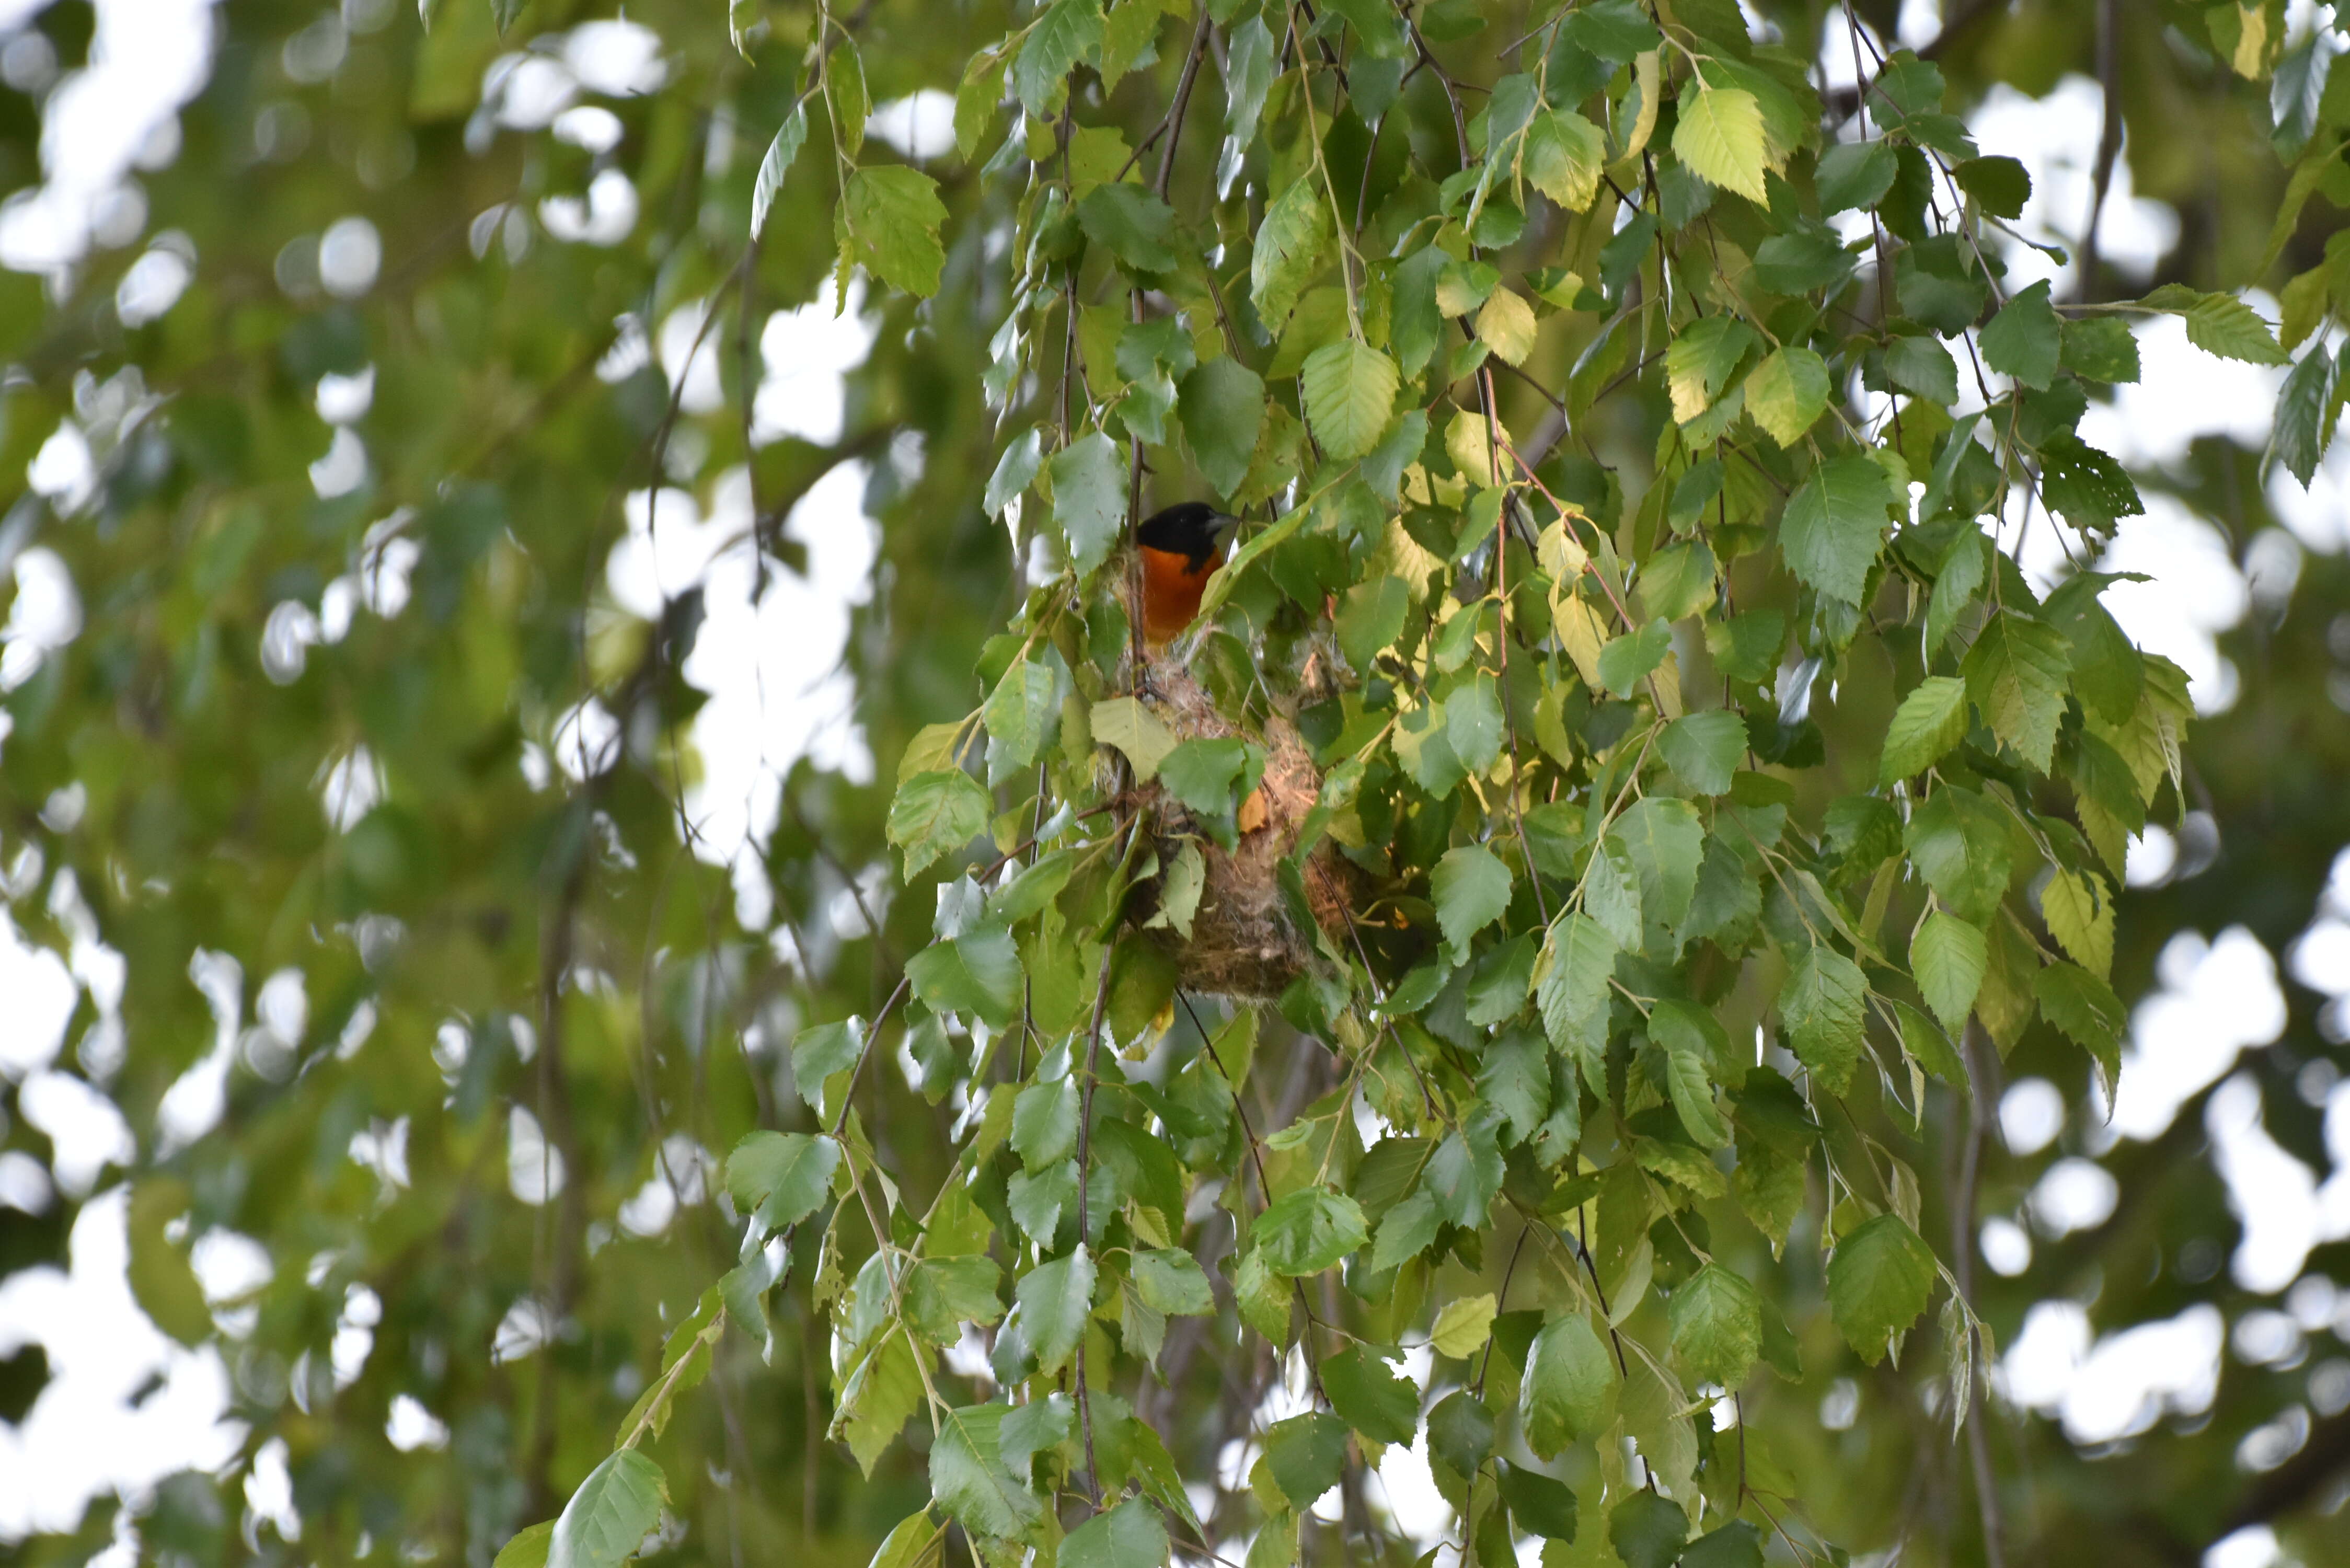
x=1171 y=1281
x=780 y=1178
x=822 y=1050
x=1939 y=284
x=1704 y=749
x=1405 y=1232
x=1471 y=888
x=2086 y=486
x=1930 y=721
x=1922 y=366
x=1958 y=841
x=2088 y=1011
x=1013 y=472
x=1692 y=1042
x=2101 y=349
x=1821 y=1006
x=1473 y=725
x=969 y=1479
x=1462 y=1327
x=1834 y=524
x=1350 y=389
x=1132 y=225
x=907 y=1545
x=786 y=146
x=2079 y=908
x=1539 y=1504
x=1202 y=773
x=1787 y=393
x=2297 y=91
x=1370 y=619
x=1855 y=174
x=1648 y=1530
x=1562 y=157
x=1307 y=1455
x=1965 y=568
x=1460 y=1431
x=894 y=213
x=1717 y=1323
x=1290 y=244
x=2303 y=430
x=1464 y=1173
x=1055 y=1299
x=1738 y=1544
x=1090 y=498
x=1878 y=1281
x=1125 y=722
x=1250 y=64
x=1625 y=661
x=1036 y=1198
x=1719 y=138
x=1665 y=841
x=881 y=1395
x=1948 y=958
x=1571 y=977
x=1021 y=711
x=527 y=1547
x=1569 y=1386
x=1222 y=407
x=977 y=973
x=1128 y=1536
x=2025 y=340
x=975 y=99
x=610 y=1516
x=2000 y=186
x=848 y=99
x=2221 y=324
x=2015 y=673
x=1929 y=1047
x=1061 y=37
x=941 y=1294
x=1809 y=260
x=1044 y=1123
x=936 y=813
x=1308 y=1230
x=1370 y=1398
x=1034 y=1429
x=1378 y=33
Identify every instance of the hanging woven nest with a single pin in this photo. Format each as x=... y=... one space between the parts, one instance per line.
x=1246 y=940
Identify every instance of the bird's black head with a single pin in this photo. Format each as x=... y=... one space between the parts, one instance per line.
x=1191 y=529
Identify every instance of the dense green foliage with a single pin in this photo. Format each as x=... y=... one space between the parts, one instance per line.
x=1717 y=811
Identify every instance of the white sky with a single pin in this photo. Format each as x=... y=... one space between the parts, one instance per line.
x=772 y=668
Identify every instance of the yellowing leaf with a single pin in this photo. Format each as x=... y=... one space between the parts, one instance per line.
x=2079 y=908
x=1787 y=392
x=1507 y=325
x=1472 y=451
x=1562 y=158
x=1141 y=734
x=1720 y=139
x=1463 y=1326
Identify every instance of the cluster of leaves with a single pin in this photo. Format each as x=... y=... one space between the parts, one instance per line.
x=1566 y=740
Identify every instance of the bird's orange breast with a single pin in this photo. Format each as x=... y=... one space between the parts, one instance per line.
x=1172 y=587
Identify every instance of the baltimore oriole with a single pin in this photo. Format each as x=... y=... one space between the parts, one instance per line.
x=1181 y=547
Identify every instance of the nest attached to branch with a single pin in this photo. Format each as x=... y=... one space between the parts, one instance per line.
x=1245 y=942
